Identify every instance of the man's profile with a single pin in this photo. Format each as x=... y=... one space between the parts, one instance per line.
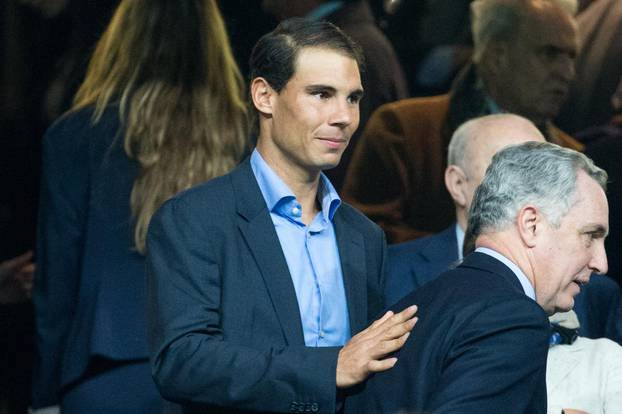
x=539 y=219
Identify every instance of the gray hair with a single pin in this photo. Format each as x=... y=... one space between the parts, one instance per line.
x=538 y=173
x=498 y=20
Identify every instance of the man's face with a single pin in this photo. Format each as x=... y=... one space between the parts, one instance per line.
x=316 y=113
x=534 y=79
x=565 y=257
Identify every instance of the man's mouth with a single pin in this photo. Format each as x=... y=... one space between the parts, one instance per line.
x=333 y=142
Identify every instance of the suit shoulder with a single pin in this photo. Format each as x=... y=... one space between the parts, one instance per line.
x=409 y=248
x=211 y=201
x=81 y=124
x=358 y=219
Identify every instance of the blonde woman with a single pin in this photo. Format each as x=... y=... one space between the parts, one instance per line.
x=160 y=110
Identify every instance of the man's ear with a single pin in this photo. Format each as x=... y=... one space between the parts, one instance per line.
x=261 y=94
x=455 y=182
x=530 y=224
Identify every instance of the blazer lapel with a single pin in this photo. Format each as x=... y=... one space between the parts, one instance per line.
x=260 y=236
x=352 y=253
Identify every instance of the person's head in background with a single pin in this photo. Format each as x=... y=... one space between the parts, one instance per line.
x=169 y=68
x=524 y=52
x=306 y=88
x=544 y=208
x=471 y=149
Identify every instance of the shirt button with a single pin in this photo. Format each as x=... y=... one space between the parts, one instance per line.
x=321 y=334
x=296 y=211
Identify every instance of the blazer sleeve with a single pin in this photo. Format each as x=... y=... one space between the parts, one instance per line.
x=62 y=217
x=192 y=361
x=498 y=363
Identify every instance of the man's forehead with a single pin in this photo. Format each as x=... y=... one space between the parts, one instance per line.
x=549 y=26
x=326 y=66
x=310 y=54
x=591 y=203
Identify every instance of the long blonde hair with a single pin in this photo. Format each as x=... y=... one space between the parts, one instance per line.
x=170 y=67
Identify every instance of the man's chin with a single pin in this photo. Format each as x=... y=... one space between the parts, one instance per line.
x=564 y=306
x=330 y=162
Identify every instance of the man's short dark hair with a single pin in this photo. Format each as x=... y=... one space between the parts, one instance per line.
x=274 y=56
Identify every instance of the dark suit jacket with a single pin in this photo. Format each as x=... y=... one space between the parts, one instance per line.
x=411 y=264
x=480 y=346
x=89 y=292
x=225 y=328
x=416 y=262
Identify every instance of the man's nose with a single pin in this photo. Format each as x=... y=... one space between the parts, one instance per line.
x=598 y=263
x=344 y=114
x=566 y=68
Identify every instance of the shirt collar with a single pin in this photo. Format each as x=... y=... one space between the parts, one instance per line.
x=276 y=193
x=460 y=240
x=525 y=283
x=324 y=10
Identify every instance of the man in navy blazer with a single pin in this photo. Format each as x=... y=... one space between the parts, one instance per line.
x=261 y=282
x=539 y=219
x=414 y=263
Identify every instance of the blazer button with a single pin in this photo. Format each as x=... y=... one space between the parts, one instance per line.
x=315 y=407
x=293 y=407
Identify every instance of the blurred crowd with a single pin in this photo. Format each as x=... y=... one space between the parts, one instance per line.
x=428 y=69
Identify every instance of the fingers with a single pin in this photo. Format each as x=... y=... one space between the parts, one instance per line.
x=383 y=365
x=400 y=329
x=27 y=272
x=15 y=263
x=380 y=321
x=365 y=353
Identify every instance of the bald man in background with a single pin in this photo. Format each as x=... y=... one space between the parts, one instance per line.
x=411 y=264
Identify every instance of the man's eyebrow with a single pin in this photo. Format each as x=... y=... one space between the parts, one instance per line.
x=327 y=88
x=358 y=93
x=320 y=88
x=595 y=230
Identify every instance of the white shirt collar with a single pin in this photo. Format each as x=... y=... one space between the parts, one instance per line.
x=460 y=240
x=525 y=283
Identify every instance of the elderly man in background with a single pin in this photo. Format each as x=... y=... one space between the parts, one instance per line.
x=472 y=146
x=539 y=219
x=523 y=63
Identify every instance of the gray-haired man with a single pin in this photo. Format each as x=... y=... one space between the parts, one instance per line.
x=539 y=219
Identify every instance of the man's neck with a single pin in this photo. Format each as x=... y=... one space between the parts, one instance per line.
x=304 y=184
x=506 y=246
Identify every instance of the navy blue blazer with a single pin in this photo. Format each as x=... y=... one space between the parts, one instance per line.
x=480 y=346
x=224 y=325
x=414 y=263
x=89 y=292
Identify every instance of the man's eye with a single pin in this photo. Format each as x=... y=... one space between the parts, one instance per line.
x=322 y=94
x=589 y=238
x=354 y=99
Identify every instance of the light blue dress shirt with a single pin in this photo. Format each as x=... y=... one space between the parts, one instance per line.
x=525 y=283
x=312 y=256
